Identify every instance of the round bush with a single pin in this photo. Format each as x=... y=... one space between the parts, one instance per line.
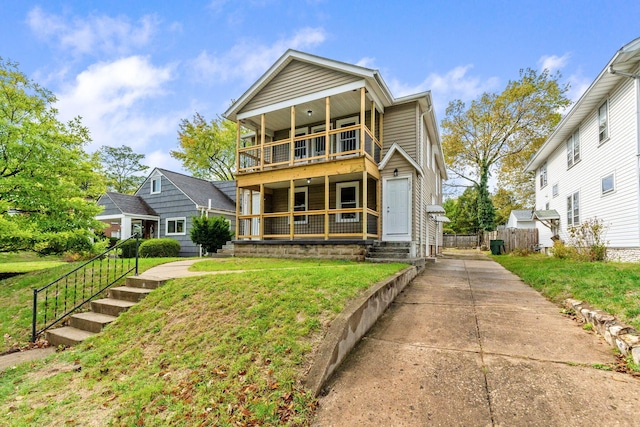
x=129 y=248
x=158 y=248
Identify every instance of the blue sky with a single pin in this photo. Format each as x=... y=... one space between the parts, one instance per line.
x=133 y=69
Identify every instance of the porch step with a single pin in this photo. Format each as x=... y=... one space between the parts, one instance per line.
x=144 y=283
x=67 y=335
x=226 y=250
x=128 y=293
x=90 y=321
x=110 y=306
x=390 y=250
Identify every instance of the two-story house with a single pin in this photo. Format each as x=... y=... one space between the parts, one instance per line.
x=588 y=168
x=331 y=162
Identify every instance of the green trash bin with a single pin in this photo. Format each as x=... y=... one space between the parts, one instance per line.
x=497 y=246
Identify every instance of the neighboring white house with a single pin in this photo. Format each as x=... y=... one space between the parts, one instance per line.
x=521 y=219
x=589 y=166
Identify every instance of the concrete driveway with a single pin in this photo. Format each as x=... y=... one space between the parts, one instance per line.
x=467 y=343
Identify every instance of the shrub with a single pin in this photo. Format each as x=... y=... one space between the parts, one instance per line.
x=155 y=248
x=588 y=238
x=128 y=248
x=520 y=252
x=562 y=251
x=211 y=233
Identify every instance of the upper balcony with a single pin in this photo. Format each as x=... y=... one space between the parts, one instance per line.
x=318 y=130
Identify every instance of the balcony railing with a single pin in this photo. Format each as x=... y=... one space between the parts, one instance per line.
x=344 y=142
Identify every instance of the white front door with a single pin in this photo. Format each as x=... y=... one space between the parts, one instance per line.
x=396 y=196
x=254 y=202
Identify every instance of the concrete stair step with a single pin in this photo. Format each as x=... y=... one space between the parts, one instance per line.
x=90 y=321
x=394 y=255
x=143 y=282
x=391 y=245
x=67 y=335
x=110 y=306
x=392 y=249
x=128 y=293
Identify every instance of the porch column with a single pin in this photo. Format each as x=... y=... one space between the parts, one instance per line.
x=381 y=126
x=293 y=136
x=373 y=129
x=261 y=221
x=292 y=189
x=362 y=123
x=326 y=207
x=237 y=145
x=364 y=205
x=251 y=213
x=379 y=205
x=238 y=202
x=327 y=127
x=125 y=228
x=262 y=139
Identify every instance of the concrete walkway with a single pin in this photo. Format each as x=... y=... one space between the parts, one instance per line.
x=467 y=343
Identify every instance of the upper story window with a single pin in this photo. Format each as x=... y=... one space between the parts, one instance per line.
x=155 y=185
x=554 y=190
x=603 y=122
x=348 y=140
x=608 y=184
x=543 y=175
x=573 y=210
x=573 y=149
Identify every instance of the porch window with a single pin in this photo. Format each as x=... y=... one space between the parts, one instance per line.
x=155 y=185
x=301 y=147
x=573 y=210
x=347 y=197
x=348 y=140
x=300 y=203
x=573 y=149
x=319 y=143
x=603 y=122
x=176 y=226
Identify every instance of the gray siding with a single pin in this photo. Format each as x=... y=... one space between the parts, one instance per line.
x=298 y=79
x=400 y=125
x=109 y=207
x=171 y=203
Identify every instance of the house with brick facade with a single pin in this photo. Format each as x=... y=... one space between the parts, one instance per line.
x=330 y=163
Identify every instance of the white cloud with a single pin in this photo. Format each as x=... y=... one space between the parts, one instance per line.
x=553 y=63
x=111 y=96
x=162 y=159
x=367 y=62
x=95 y=34
x=247 y=60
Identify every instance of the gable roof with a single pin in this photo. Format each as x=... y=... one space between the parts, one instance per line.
x=522 y=214
x=623 y=62
x=200 y=191
x=395 y=148
x=128 y=204
x=372 y=78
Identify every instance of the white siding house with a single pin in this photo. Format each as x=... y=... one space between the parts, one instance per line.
x=519 y=218
x=588 y=168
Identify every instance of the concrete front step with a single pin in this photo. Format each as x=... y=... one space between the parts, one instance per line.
x=143 y=282
x=128 y=293
x=110 y=306
x=395 y=255
x=67 y=335
x=90 y=321
x=391 y=249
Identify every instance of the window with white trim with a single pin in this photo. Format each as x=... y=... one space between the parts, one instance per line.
x=603 y=122
x=301 y=147
x=155 y=185
x=543 y=175
x=348 y=197
x=573 y=149
x=554 y=190
x=348 y=140
x=573 y=210
x=176 y=226
x=608 y=184
x=300 y=204
x=319 y=143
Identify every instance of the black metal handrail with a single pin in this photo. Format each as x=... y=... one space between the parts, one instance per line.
x=71 y=291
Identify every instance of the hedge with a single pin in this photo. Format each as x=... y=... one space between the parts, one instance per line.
x=129 y=248
x=155 y=248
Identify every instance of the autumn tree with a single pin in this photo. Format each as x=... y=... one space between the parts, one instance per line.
x=462 y=211
x=207 y=149
x=46 y=177
x=121 y=167
x=498 y=133
x=505 y=201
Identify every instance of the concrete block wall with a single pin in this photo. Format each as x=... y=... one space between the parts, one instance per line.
x=352 y=252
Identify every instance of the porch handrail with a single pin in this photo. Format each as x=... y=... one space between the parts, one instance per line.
x=70 y=293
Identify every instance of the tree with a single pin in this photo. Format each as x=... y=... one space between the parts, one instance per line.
x=211 y=233
x=207 y=149
x=46 y=178
x=499 y=132
x=121 y=165
x=463 y=212
x=504 y=201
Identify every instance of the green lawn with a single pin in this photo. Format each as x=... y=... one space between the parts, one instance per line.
x=613 y=287
x=24 y=262
x=234 y=264
x=225 y=350
x=16 y=296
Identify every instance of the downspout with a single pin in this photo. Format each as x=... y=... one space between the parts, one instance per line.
x=424 y=247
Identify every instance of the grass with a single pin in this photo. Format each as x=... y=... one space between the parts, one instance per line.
x=234 y=264
x=613 y=287
x=16 y=296
x=24 y=262
x=227 y=349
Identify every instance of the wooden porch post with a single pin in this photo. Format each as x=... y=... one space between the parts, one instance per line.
x=261 y=223
x=251 y=213
x=364 y=205
x=238 y=201
x=381 y=126
x=379 y=205
x=237 y=145
x=362 y=123
x=293 y=135
x=373 y=129
x=262 y=139
x=292 y=189
x=326 y=207
x=327 y=126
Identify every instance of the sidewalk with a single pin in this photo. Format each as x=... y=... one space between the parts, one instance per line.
x=467 y=343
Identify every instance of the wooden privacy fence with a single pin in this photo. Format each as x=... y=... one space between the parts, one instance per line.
x=460 y=241
x=522 y=238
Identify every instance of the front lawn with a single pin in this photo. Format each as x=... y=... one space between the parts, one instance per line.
x=224 y=350
x=613 y=287
x=24 y=262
